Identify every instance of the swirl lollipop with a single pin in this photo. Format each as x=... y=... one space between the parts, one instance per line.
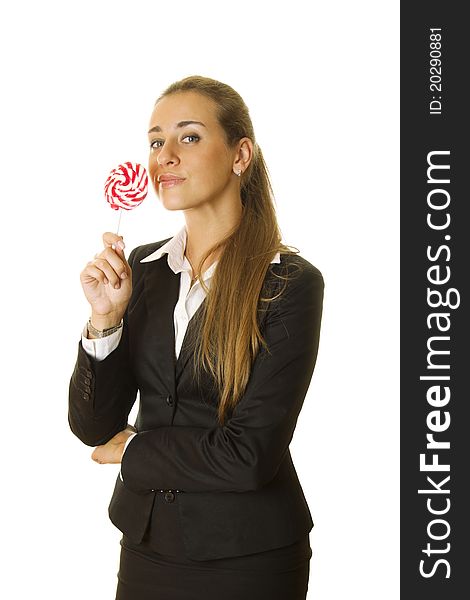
x=126 y=187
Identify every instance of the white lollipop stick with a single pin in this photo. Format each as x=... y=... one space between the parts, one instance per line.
x=119 y=221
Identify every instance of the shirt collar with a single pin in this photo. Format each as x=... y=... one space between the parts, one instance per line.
x=176 y=259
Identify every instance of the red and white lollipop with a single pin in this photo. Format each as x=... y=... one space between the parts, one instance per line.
x=126 y=187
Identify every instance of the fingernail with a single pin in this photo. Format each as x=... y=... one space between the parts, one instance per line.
x=121 y=245
x=123 y=275
x=117 y=286
x=105 y=281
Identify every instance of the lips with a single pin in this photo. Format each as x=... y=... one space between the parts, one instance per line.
x=169 y=177
x=169 y=181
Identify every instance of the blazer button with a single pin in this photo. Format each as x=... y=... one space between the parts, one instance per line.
x=86 y=396
x=169 y=400
x=169 y=496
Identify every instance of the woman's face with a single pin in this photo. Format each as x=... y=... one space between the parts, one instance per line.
x=193 y=151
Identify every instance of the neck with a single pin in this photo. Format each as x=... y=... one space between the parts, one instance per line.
x=206 y=227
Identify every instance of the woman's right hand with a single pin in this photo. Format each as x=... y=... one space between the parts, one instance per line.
x=107 y=283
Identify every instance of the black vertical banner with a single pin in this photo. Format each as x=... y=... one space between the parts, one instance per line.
x=435 y=273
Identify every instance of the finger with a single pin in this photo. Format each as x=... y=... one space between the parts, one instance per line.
x=113 y=240
x=103 y=265
x=118 y=261
x=120 y=252
x=92 y=271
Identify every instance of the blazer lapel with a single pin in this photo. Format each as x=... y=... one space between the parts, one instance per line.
x=187 y=349
x=162 y=286
x=161 y=295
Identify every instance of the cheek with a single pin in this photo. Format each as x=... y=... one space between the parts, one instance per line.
x=152 y=167
x=214 y=166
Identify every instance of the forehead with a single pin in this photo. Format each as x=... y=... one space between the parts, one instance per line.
x=183 y=106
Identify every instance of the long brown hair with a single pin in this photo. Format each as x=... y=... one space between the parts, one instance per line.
x=228 y=334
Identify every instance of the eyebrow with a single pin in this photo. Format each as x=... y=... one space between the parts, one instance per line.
x=180 y=124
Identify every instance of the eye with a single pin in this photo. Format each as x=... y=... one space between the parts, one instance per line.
x=153 y=145
x=192 y=136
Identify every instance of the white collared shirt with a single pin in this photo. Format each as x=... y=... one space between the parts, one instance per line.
x=189 y=299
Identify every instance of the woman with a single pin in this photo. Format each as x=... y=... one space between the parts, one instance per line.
x=218 y=329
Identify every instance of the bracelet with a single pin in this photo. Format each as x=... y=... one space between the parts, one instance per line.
x=103 y=332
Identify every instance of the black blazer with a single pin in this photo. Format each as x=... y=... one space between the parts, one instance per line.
x=238 y=489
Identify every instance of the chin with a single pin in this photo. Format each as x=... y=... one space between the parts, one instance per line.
x=174 y=203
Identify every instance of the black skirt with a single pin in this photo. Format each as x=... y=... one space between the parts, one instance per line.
x=279 y=574
x=146 y=573
x=163 y=572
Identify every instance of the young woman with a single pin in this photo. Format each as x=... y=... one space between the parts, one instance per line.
x=217 y=328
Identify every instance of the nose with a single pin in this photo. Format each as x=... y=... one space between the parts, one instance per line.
x=167 y=154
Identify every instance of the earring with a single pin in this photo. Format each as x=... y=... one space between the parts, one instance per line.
x=239 y=173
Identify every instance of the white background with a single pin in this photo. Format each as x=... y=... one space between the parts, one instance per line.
x=79 y=82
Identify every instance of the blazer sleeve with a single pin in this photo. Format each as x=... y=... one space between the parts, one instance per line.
x=102 y=392
x=245 y=453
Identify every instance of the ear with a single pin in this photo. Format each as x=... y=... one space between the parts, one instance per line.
x=244 y=155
